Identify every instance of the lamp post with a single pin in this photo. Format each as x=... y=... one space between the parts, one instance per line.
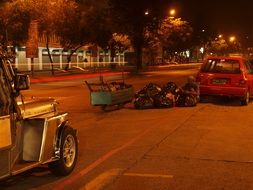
x=233 y=44
x=170 y=18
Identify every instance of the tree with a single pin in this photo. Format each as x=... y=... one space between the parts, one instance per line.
x=129 y=18
x=91 y=24
x=14 y=24
x=172 y=35
x=69 y=26
x=219 y=46
x=119 y=43
x=24 y=12
x=175 y=35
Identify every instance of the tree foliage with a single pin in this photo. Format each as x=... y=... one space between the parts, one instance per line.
x=172 y=35
x=116 y=24
x=220 y=46
x=129 y=18
x=121 y=42
x=14 y=23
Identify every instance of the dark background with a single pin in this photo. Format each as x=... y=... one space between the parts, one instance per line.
x=219 y=16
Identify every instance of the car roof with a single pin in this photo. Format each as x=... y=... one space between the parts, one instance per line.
x=239 y=58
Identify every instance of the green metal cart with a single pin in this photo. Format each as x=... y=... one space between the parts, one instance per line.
x=110 y=94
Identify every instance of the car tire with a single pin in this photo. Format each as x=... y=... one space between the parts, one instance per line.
x=68 y=154
x=245 y=100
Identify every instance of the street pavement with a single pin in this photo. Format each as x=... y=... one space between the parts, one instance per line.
x=207 y=147
x=80 y=73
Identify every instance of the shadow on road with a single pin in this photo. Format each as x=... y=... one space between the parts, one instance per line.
x=36 y=177
x=221 y=101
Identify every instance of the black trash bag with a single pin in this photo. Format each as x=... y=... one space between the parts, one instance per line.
x=164 y=100
x=143 y=102
x=170 y=87
x=186 y=100
x=180 y=100
x=152 y=89
x=191 y=100
x=141 y=93
x=144 y=98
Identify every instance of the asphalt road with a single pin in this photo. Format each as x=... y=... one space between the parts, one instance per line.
x=206 y=147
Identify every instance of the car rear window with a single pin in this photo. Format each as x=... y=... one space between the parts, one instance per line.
x=222 y=66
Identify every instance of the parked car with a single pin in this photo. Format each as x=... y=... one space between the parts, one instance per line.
x=226 y=76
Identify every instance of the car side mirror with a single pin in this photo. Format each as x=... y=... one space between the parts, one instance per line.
x=22 y=82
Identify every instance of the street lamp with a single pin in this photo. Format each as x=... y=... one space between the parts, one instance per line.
x=146 y=13
x=172 y=12
x=220 y=36
x=232 y=39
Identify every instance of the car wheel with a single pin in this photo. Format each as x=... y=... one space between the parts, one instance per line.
x=245 y=100
x=68 y=154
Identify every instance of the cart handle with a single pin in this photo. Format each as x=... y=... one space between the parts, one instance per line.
x=88 y=85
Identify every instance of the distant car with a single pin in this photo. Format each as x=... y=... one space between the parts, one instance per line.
x=226 y=76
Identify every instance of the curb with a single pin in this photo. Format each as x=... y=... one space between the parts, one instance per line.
x=176 y=66
x=71 y=77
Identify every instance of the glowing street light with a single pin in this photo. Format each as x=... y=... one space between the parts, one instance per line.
x=220 y=36
x=172 y=12
x=146 y=13
x=232 y=38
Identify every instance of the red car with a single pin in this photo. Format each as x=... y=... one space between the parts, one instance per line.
x=226 y=76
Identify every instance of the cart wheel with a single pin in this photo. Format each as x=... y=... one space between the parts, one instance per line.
x=120 y=106
x=103 y=107
x=68 y=154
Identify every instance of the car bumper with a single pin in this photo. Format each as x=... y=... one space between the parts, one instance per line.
x=223 y=91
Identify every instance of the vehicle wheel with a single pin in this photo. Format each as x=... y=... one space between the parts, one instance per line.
x=103 y=107
x=245 y=100
x=119 y=106
x=68 y=154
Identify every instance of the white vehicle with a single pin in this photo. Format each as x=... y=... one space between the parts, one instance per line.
x=32 y=133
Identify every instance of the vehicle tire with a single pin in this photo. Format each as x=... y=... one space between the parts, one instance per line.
x=245 y=100
x=203 y=99
x=68 y=154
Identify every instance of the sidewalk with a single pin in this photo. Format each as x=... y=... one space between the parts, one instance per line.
x=74 y=73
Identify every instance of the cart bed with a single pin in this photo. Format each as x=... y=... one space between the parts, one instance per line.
x=103 y=95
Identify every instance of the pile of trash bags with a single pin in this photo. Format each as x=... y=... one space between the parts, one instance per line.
x=167 y=96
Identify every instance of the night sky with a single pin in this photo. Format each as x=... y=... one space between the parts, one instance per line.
x=223 y=16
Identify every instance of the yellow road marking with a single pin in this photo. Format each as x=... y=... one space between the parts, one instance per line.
x=105 y=178
x=148 y=175
x=102 y=180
